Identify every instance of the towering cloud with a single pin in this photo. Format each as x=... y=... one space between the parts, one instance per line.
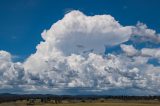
x=73 y=56
x=77 y=33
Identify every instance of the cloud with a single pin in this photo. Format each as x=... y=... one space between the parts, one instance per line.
x=151 y=52
x=77 y=33
x=11 y=74
x=73 y=59
x=143 y=33
x=5 y=56
x=129 y=49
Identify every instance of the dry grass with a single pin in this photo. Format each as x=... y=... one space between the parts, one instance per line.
x=95 y=103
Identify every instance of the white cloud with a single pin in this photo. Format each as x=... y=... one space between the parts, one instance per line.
x=5 y=56
x=145 y=34
x=77 y=33
x=151 y=52
x=72 y=56
x=10 y=73
x=129 y=49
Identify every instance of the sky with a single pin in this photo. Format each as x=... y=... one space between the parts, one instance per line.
x=80 y=47
x=22 y=21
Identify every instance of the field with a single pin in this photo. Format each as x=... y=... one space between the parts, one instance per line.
x=95 y=103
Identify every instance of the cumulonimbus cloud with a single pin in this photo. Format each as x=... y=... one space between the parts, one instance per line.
x=73 y=56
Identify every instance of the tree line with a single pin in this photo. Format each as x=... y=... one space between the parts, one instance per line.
x=59 y=98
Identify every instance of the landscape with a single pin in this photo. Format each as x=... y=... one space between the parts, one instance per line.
x=79 y=53
x=77 y=100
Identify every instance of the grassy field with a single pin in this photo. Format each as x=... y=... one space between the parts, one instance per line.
x=106 y=103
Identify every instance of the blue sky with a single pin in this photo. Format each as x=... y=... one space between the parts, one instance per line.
x=22 y=21
x=80 y=47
